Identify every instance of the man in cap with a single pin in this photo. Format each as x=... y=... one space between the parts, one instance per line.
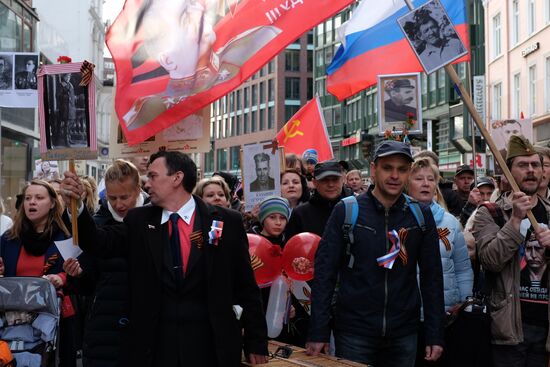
x=544 y=152
x=312 y=216
x=479 y=193
x=377 y=310
x=519 y=303
x=401 y=93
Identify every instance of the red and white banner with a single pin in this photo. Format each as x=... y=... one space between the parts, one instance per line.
x=174 y=57
x=307 y=130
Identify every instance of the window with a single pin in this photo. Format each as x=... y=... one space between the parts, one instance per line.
x=262 y=92
x=516 y=88
x=253 y=121
x=515 y=22
x=254 y=94
x=209 y=161
x=497 y=46
x=233 y=125
x=531 y=20
x=246 y=97
x=547 y=93
x=239 y=105
x=292 y=88
x=290 y=111
x=292 y=60
x=309 y=61
x=270 y=118
x=309 y=88
x=221 y=159
x=270 y=90
x=262 y=119
x=239 y=125
x=532 y=90
x=245 y=123
x=497 y=101
x=328 y=54
x=235 y=153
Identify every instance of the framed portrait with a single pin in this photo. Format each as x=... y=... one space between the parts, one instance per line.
x=18 y=79
x=399 y=103
x=261 y=173
x=502 y=130
x=66 y=112
x=432 y=36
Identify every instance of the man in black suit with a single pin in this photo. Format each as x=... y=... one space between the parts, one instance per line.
x=401 y=93
x=262 y=182
x=183 y=284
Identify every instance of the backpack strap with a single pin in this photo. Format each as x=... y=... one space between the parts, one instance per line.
x=417 y=212
x=351 y=213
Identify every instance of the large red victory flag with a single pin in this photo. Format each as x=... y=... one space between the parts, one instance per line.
x=173 y=57
x=306 y=130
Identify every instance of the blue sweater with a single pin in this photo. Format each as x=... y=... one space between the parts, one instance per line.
x=458 y=277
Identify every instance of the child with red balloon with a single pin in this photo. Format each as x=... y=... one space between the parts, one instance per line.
x=282 y=274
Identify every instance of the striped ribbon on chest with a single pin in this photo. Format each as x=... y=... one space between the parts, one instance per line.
x=443 y=233
x=397 y=249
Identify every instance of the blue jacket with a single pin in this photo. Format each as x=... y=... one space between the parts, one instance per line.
x=458 y=277
x=11 y=248
x=372 y=300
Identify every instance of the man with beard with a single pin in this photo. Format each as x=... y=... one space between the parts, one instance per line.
x=543 y=187
x=519 y=308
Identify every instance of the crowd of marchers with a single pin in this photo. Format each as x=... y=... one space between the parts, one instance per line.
x=412 y=269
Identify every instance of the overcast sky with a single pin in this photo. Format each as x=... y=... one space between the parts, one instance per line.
x=111 y=8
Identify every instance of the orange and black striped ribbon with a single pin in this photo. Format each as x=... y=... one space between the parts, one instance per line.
x=403 y=233
x=49 y=263
x=87 y=71
x=256 y=262
x=443 y=233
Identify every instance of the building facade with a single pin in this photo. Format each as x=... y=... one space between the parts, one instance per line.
x=19 y=126
x=259 y=108
x=518 y=62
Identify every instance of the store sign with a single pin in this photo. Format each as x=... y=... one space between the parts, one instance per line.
x=480 y=163
x=354 y=139
x=479 y=95
x=530 y=49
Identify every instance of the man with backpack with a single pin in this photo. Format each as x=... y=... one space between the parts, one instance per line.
x=373 y=247
x=512 y=255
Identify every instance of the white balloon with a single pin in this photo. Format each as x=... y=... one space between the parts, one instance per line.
x=276 y=306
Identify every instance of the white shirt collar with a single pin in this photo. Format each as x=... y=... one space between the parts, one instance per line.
x=185 y=212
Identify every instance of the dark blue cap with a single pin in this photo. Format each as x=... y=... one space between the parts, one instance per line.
x=393 y=147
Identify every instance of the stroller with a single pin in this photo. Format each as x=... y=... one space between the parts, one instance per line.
x=29 y=320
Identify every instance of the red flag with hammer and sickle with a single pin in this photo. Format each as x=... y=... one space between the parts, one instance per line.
x=307 y=130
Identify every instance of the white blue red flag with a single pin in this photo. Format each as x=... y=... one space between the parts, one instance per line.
x=373 y=44
x=173 y=57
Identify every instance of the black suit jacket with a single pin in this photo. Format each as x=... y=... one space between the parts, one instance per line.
x=230 y=280
x=256 y=186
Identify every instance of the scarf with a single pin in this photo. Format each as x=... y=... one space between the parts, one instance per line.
x=36 y=243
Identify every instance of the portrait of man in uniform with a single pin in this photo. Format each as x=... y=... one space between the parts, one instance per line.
x=502 y=130
x=432 y=36
x=399 y=101
x=25 y=76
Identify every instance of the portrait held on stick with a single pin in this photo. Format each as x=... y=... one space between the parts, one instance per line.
x=261 y=172
x=66 y=112
x=432 y=36
x=399 y=103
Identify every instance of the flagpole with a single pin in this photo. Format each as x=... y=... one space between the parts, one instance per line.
x=459 y=86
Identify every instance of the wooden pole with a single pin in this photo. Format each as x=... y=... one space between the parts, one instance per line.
x=74 y=209
x=477 y=119
x=479 y=122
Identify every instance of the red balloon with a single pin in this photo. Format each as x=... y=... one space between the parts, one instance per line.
x=299 y=254
x=265 y=258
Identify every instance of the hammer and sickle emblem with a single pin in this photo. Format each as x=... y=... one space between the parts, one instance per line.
x=292 y=131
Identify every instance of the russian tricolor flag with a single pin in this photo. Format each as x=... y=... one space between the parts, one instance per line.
x=373 y=44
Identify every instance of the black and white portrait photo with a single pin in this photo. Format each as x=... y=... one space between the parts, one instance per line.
x=502 y=130
x=399 y=103
x=67 y=115
x=263 y=181
x=25 y=71
x=261 y=172
x=6 y=64
x=432 y=36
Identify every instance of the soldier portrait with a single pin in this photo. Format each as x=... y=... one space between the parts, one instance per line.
x=432 y=36
x=399 y=103
x=25 y=71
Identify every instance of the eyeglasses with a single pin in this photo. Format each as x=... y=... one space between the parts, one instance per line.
x=525 y=165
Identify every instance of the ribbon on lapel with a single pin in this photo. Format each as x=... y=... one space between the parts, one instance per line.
x=443 y=233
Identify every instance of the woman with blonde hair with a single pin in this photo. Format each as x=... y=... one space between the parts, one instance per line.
x=5 y=221
x=214 y=191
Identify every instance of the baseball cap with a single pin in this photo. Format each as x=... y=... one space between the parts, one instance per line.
x=464 y=168
x=392 y=147
x=482 y=181
x=326 y=169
